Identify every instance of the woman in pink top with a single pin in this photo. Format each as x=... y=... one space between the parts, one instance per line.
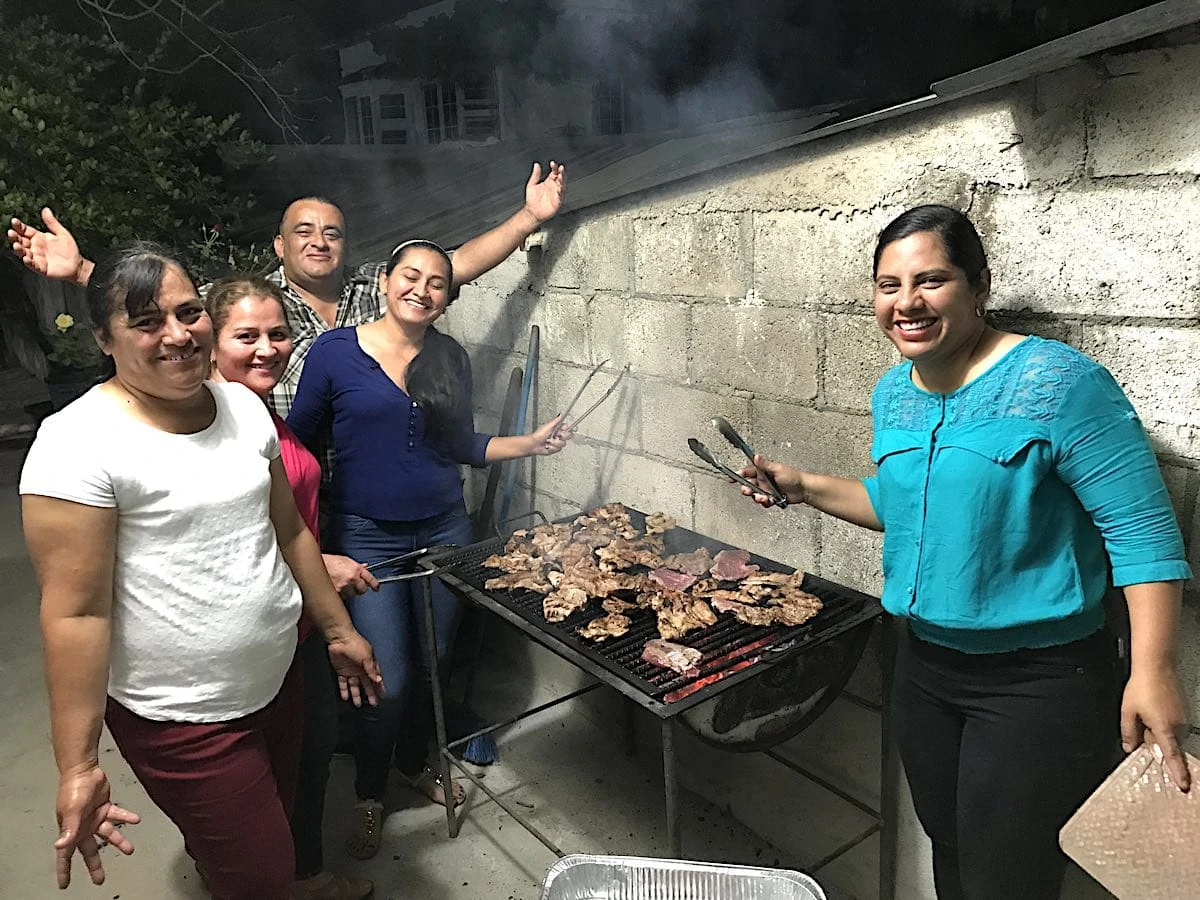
x=253 y=345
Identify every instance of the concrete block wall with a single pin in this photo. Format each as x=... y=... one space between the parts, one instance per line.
x=746 y=293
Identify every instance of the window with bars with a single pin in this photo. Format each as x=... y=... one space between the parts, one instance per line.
x=391 y=106
x=350 y=112
x=608 y=107
x=480 y=108
x=441 y=112
x=393 y=136
x=366 y=120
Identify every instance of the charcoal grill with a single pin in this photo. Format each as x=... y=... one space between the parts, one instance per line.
x=733 y=654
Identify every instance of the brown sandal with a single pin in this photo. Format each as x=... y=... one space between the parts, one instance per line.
x=430 y=785
x=332 y=886
x=366 y=829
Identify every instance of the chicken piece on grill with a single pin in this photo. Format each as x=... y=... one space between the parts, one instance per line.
x=518 y=540
x=658 y=522
x=577 y=555
x=795 y=607
x=679 y=614
x=624 y=554
x=602 y=628
x=745 y=612
x=561 y=603
x=732 y=565
x=513 y=562
x=617 y=605
x=675 y=657
x=762 y=585
x=549 y=541
x=695 y=563
x=511 y=581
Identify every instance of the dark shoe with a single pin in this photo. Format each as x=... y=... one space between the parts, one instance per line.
x=366 y=829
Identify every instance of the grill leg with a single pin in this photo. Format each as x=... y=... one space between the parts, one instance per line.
x=889 y=776
x=670 y=791
x=439 y=707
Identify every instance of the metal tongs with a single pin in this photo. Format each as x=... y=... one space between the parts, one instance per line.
x=397 y=561
x=730 y=434
x=579 y=393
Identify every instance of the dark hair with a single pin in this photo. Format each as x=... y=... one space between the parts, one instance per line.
x=225 y=292
x=311 y=198
x=129 y=277
x=958 y=236
x=439 y=377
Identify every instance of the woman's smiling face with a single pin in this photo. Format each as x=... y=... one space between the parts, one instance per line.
x=418 y=287
x=923 y=302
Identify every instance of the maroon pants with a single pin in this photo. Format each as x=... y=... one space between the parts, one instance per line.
x=228 y=786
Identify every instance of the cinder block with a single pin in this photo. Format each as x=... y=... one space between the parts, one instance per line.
x=671 y=414
x=700 y=255
x=1158 y=369
x=1176 y=479
x=651 y=335
x=641 y=482
x=1144 y=120
x=618 y=420
x=595 y=254
x=1189 y=658
x=788 y=535
x=812 y=258
x=562 y=319
x=571 y=475
x=851 y=555
x=766 y=350
x=513 y=275
x=490 y=372
x=857 y=353
x=814 y=440
x=1107 y=249
x=485 y=317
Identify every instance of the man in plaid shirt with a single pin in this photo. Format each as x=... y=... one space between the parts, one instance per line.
x=321 y=293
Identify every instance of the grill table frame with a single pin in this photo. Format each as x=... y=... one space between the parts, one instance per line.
x=855 y=610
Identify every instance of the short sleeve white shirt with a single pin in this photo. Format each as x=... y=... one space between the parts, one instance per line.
x=204 y=607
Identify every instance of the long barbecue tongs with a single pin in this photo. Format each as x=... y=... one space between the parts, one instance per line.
x=397 y=561
x=583 y=387
x=777 y=497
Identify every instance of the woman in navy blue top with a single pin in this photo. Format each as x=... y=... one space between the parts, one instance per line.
x=1014 y=483
x=397 y=394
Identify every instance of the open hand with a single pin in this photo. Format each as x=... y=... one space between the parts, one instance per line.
x=1153 y=711
x=544 y=198
x=787 y=478
x=52 y=252
x=87 y=817
x=350 y=578
x=357 y=672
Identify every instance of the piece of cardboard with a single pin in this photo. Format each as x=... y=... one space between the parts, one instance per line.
x=1138 y=834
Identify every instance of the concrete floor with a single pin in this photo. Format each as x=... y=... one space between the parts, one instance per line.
x=567 y=771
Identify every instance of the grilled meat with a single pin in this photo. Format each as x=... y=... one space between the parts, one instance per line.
x=695 y=563
x=795 y=607
x=511 y=581
x=602 y=628
x=675 y=657
x=679 y=614
x=561 y=603
x=617 y=605
x=658 y=522
x=745 y=612
x=732 y=565
x=671 y=579
x=623 y=554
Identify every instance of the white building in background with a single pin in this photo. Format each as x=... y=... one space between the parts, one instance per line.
x=505 y=105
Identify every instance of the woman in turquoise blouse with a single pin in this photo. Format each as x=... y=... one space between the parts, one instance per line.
x=1014 y=482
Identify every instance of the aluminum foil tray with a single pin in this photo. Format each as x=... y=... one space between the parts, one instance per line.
x=583 y=877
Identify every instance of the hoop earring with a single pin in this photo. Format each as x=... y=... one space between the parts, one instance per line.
x=979 y=312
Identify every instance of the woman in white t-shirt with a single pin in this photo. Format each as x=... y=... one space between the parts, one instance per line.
x=173 y=566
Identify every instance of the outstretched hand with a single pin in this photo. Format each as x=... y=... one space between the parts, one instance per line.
x=357 y=672
x=88 y=819
x=544 y=198
x=787 y=478
x=52 y=253
x=550 y=438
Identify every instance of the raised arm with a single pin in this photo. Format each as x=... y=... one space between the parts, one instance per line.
x=52 y=253
x=543 y=198
x=73 y=548
x=843 y=498
x=349 y=652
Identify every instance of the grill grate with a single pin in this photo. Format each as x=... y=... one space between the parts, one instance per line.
x=726 y=646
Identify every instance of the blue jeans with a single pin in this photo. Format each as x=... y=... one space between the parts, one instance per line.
x=393 y=620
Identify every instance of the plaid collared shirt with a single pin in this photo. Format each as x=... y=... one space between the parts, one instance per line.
x=361 y=302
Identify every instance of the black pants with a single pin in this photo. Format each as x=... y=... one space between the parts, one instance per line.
x=1000 y=749
x=316 y=749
